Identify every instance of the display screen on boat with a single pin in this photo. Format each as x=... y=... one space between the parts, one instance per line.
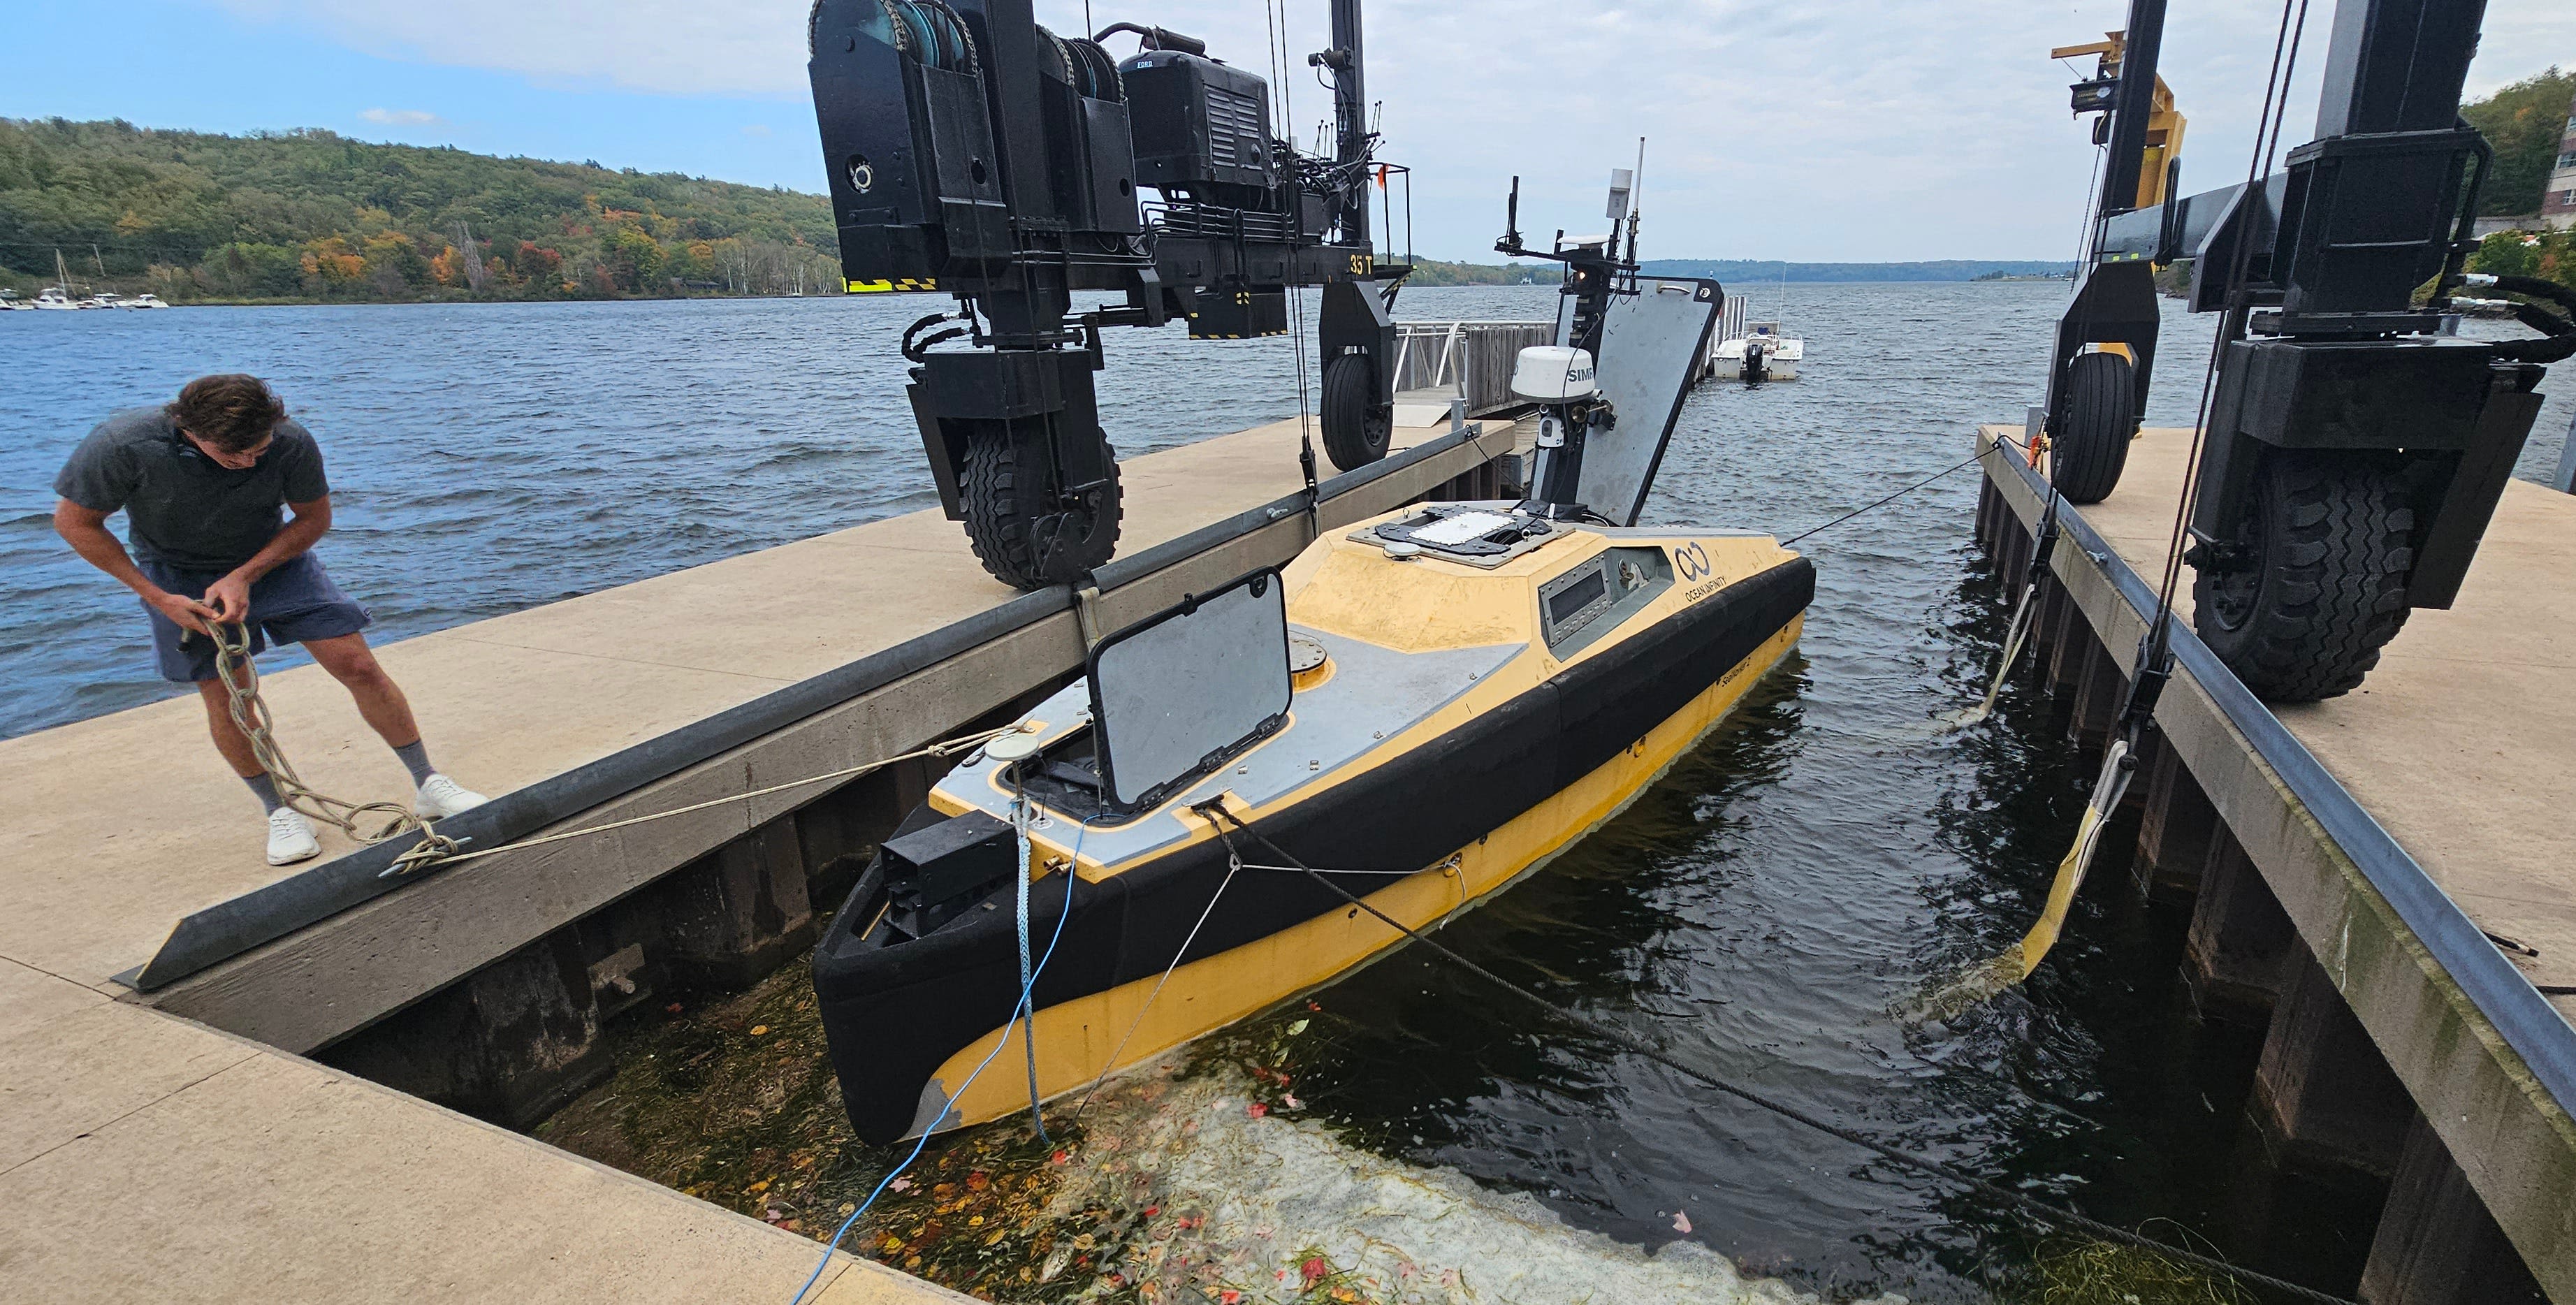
x=1567 y=603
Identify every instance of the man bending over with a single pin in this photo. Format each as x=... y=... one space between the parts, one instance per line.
x=200 y=481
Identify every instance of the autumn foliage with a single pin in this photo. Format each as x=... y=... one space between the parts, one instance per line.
x=310 y=215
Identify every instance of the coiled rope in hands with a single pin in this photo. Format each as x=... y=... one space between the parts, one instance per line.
x=240 y=674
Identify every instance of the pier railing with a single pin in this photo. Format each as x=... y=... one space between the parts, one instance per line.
x=1473 y=359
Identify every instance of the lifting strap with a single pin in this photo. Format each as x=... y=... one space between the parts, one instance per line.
x=2024 y=612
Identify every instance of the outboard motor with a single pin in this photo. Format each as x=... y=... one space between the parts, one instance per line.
x=1757 y=361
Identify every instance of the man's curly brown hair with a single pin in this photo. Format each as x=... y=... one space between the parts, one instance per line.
x=233 y=412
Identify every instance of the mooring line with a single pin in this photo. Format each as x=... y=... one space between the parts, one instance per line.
x=951 y=1104
x=1234 y=865
x=948 y=747
x=1972 y=459
x=1028 y=978
x=243 y=701
x=1986 y=1187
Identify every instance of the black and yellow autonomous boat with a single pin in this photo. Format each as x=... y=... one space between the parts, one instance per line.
x=1426 y=707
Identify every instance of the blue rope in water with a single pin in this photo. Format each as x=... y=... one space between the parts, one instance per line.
x=1025 y=986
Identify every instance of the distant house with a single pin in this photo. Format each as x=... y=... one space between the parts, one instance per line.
x=2558 y=202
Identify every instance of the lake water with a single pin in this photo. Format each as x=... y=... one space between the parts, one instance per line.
x=1760 y=910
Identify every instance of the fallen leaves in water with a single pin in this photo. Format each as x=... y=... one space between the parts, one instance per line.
x=1681 y=1221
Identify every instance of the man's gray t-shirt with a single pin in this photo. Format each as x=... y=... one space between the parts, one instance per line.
x=181 y=508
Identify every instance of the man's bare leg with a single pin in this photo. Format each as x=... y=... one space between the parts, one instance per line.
x=229 y=739
x=379 y=699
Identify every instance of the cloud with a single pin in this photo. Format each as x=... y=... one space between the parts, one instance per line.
x=1828 y=129
x=402 y=117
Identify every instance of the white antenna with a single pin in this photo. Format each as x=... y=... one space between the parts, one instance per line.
x=1636 y=202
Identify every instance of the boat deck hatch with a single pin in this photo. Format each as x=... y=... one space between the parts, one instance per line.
x=1483 y=535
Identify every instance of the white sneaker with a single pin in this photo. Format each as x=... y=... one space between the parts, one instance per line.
x=290 y=837
x=441 y=797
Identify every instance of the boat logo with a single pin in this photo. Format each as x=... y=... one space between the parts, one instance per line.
x=1692 y=561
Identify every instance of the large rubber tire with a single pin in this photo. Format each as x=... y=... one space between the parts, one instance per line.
x=1022 y=534
x=2090 y=444
x=1357 y=428
x=2330 y=533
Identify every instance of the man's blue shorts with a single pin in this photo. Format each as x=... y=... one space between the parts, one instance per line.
x=292 y=604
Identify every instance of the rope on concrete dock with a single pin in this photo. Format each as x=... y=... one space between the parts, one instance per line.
x=240 y=675
x=948 y=747
x=2038 y=1209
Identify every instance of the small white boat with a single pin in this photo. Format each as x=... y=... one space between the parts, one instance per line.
x=104 y=299
x=53 y=297
x=146 y=300
x=1760 y=354
x=11 y=303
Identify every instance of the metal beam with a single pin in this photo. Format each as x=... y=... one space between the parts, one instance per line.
x=2131 y=105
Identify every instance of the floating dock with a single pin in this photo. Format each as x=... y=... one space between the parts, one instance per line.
x=278 y=1098
x=2380 y=881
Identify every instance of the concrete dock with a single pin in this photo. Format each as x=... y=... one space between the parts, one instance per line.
x=180 y=1144
x=2380 y=881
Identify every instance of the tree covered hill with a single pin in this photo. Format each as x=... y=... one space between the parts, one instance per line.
x=311 y=215
x=2524 y=123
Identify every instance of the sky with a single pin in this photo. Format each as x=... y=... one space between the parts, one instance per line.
x=1824 y=130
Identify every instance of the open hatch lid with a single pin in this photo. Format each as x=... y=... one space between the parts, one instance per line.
x=1652 y=341
x=1181 y=692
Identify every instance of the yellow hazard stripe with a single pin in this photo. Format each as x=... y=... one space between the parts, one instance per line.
x=896 y=284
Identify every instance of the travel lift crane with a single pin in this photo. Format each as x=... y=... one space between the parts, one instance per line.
x=2353 y=453
x=973 y=152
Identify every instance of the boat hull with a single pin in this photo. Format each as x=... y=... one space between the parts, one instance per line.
x=1423 y=834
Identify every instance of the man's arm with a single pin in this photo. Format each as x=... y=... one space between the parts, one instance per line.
x=85 y=529
x=230 y=596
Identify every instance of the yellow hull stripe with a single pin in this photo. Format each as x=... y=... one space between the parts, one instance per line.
x=1075 y=1039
